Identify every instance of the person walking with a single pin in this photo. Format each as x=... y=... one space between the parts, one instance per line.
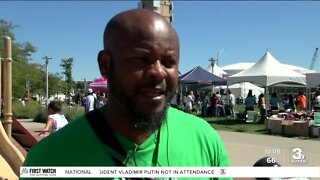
x=90 y=101
x=292 y=104
x=189 y=101
x=231 y=103
x=205 y=104
x=262 y=108
x=301 y=101
x=317 y=102
x=249 y=102
x=274 y=105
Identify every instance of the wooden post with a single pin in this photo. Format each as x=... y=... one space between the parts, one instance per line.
x=1 y=99
x=7 y=80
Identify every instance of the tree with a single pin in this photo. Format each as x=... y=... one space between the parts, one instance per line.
x=21 y=54
x=6 y=28
x=66 y=64
x=20 y=51
x=30 y=75
x=55 y=84
x=26 y=75
x=80 y=85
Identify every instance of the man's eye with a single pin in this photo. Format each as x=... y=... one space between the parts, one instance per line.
x=139 y=62
x=169 y=63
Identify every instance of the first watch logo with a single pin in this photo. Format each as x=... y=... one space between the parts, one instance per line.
x=38 y=172
x=24 y=171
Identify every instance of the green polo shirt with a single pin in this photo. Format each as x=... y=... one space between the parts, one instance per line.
x=184 y=140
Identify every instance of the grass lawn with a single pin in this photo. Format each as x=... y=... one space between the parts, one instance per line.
x=221 y=123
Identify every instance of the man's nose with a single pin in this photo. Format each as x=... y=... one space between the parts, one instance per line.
x=157 y=71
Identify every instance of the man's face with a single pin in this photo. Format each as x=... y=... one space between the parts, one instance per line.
x=143 y=75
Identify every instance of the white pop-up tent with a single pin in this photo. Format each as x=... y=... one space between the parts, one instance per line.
x=242 y=89
x=313 y=81
x=266 y=72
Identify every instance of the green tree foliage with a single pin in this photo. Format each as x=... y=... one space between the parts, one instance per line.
x=6 y=28
x=26 y=75
x=21 y=52
x=66 y=64
x=80 y=86
x=55 y=86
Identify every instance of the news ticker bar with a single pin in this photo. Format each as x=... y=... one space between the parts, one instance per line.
x=168 y=172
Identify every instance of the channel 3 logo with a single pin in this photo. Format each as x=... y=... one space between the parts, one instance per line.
x=297 y=155
x=223 y=171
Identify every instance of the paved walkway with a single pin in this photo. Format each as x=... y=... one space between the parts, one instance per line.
x=244 y=149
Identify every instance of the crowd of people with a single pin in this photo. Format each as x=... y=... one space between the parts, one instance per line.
x=222 y=104
x=91 y=100
x=206 y=103
x=288 y=102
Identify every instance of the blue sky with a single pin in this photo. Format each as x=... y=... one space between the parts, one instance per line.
x=290 y=30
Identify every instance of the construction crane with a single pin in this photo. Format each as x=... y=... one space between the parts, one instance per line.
x=313 y=61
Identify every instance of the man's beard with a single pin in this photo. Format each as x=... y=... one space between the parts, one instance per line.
x=143 y=121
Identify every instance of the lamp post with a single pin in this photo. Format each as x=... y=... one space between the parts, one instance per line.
x=27 y=83
x=46 y=58
x=85 y=85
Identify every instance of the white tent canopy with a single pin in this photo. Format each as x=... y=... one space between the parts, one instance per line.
x=242 y=89
x=238 y=67
x=313 y=81
x=266 y=72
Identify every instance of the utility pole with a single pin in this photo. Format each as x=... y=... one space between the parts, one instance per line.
x=213 y=62
x=85 y=85
x=27 y=83
x=46 y=58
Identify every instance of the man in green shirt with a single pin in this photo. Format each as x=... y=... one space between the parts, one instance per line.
x=136 y=127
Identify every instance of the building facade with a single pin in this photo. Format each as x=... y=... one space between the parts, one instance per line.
x=163 y=7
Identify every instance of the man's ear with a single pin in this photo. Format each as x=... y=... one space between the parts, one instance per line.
x=104 y=62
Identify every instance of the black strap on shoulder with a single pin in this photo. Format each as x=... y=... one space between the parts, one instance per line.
x=104 y=132
x=102 y=129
